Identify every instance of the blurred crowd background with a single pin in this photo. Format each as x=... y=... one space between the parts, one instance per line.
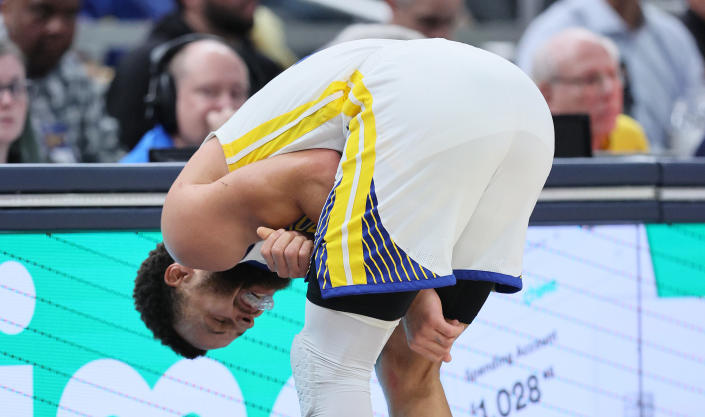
x=110 y=80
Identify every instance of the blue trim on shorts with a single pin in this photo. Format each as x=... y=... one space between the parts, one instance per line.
x=388 y=287
x=507 y=284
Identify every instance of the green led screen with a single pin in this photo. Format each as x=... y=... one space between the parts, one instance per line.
x=71 y=343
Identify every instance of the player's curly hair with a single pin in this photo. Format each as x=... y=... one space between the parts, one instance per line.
x=160 y=304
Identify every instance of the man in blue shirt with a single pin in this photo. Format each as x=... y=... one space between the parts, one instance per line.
x=203 y=84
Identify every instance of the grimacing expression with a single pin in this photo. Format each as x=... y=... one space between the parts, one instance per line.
x=43 y=29
x=588 y=80
x=214 y=311
x=13 y=99
x=213 y=78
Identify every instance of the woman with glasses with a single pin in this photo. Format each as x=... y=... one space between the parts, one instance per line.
x=17 y=142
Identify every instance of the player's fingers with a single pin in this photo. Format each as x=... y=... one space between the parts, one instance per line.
x=431 y=343
x=449 y=329
x=305 y=253
x=267 y=246
x=428 y=351
x=291 y=255
x=264 y=232
x=443 y=342
x=279 y=254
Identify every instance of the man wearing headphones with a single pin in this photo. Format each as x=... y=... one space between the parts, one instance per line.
x=197 y=82
x=230 y=19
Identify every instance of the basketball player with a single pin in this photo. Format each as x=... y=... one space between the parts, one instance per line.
x=431 y=155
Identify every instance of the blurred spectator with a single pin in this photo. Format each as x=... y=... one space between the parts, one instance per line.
x=16 y=140
x=701 y=149
x=127 y=9
x=578 y=72
x=229 y=19
x=492 y=11
x=694 y=20
x=269 y=37
x=67 y=110
x=689 y=113
x=433 y=18
x=411 y=19
x=661 y=58
x=688 y=123
x=358 y=31
x=197 y=83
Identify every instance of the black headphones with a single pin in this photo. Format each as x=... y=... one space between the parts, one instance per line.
x=160 y=100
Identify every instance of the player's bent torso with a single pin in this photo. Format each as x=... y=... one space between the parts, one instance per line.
x=423 y=132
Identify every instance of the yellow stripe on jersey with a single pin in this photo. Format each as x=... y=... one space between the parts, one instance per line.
x=287 y=127
x=344 y=235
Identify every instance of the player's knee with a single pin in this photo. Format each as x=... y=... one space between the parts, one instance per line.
x=326 y=385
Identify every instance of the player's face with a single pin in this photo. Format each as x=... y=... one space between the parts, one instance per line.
x=589 y=82
x=216 y=310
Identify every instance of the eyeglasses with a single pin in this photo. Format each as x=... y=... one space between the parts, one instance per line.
x=257 y=301
x=590 y=81
x=17 y=88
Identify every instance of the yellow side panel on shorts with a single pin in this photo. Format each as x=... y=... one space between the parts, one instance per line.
x=344 y=236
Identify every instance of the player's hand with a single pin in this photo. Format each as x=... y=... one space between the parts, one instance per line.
x=286 y=252
x=428 y=333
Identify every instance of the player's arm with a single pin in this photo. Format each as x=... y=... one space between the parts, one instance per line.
x=210 y=215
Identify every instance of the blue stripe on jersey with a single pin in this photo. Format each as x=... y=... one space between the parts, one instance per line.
x=385 y=261
x=505 y=283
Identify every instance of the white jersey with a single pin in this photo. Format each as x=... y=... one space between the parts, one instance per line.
x=445 y=148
